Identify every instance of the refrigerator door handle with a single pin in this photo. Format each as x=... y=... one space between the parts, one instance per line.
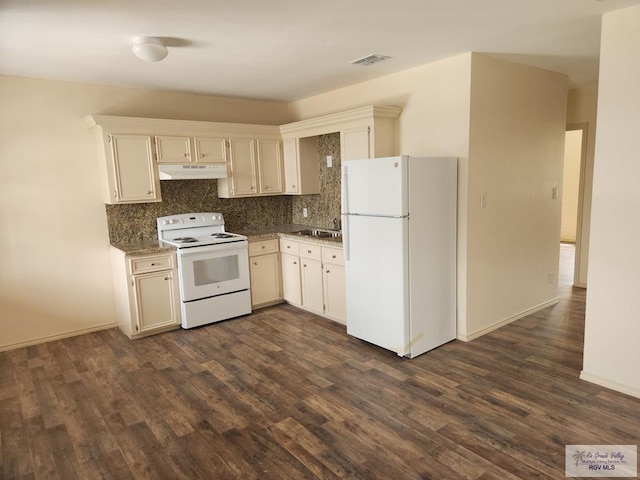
x=345 y=212
x=345 y=237
x=378 y=216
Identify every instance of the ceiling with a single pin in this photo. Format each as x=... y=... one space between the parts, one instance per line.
x=284 y=50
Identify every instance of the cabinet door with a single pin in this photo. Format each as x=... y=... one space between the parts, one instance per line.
x=291 y=287
x=312 y=296
x=335 y=305
x=210 y=150
x=156 y=301
x=243 y=166
x=135 y=176
x=291 y=172
x=265 y=279
x=171 y=149
x=270 y=166
x=354 y=143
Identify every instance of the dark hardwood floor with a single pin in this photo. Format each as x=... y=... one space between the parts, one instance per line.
x=284 y=394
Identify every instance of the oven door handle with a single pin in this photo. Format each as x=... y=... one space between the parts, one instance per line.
x=217 y=248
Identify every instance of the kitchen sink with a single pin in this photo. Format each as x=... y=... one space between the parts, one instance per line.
x=319 y=233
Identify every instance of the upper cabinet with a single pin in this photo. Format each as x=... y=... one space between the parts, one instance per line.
x=355 y=143
x=129 y=165
x=132 y=176
x=260 y=159
x=128 y=170
x=255 y=168
x=366 y=132
x=174 y=149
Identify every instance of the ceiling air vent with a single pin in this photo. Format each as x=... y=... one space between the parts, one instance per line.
x=369 y=59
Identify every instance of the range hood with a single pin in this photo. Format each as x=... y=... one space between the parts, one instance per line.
x=171 y=171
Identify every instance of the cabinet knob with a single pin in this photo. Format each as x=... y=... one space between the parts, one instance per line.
x=185 y=154
x=251 y=187
x=153 y=264
x=293 y=186
x=202 y=155
x=288 y=246
x=308 y=251
x=333 y=256
x=255 y=263
x=263 y=247
x=304 y=265
x=167 y=278
x=115 y=193
x=295 y=263
x=149 y=192
x=328 y=271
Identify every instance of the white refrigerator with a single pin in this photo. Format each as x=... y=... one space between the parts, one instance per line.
x=399 y=217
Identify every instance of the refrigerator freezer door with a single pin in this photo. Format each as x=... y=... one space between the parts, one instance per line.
x=376 y=281
x=375 y=186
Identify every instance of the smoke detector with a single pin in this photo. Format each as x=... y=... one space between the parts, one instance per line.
x=369 y=59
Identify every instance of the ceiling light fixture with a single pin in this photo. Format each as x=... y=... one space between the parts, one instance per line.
x=149 y=49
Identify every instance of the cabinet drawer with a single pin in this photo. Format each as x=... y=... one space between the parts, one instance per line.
x=263 y=247
x=151 y=264
x=333 y=256
x=308 y=250
x=289 y=246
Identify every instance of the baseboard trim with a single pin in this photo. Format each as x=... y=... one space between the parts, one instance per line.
x=603 y=382
x=51 y=338
x=506 y=321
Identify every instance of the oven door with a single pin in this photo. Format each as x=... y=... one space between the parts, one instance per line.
x=213 y=270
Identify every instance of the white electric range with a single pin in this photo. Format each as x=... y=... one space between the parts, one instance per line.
x=213 y=267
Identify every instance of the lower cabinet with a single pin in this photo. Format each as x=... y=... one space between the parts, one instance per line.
x=291 y=288
x=264 y=270
x=146 y=290
x=313 y=278
x=333 y=284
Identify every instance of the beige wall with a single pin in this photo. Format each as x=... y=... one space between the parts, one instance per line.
x=612 y=329
x=434 y=121
x=570 y=184
x=582 y=107
x=55 y=278
x=507 y=107
x=515 y=160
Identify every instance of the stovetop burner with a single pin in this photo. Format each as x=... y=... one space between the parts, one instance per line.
x=185 y=239
x=222 y=235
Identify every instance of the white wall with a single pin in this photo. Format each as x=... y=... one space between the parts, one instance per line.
x=55 y=278
x=515 y=160
x=612 y=329
x=582 y=107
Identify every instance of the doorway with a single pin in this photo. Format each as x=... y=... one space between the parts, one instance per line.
x=573 y=191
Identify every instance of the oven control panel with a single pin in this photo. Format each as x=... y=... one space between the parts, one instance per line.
x=190 y=220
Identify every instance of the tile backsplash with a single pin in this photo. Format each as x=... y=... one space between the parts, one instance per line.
x=137 y=222
x=133 y=223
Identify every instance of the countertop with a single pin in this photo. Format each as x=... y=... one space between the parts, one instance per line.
x=289 y=231
x=286 y=231
x=142 y=248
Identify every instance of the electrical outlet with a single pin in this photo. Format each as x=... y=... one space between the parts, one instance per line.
x=329 y=161
x=550 y=277
x=554 y=193
x=305 y=214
